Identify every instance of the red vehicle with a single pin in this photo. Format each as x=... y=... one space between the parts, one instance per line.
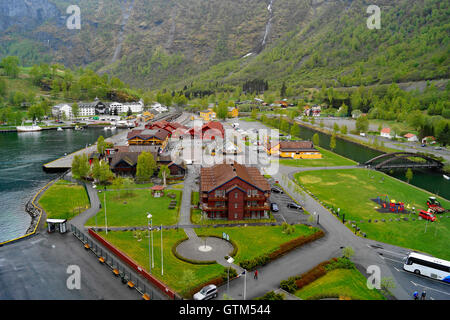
x=427 y=215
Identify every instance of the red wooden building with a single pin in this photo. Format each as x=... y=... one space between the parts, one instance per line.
x=234 y=192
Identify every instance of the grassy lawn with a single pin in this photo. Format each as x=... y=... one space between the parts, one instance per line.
x=64 y=200
x=130 y=210
x=178 y=275
x=195 y=197
x=131 y=186
x=329 y=159
x=352 y=191
x=348 y=283
x=255 y=241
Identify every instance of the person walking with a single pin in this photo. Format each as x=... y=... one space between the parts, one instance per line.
x=256 y=275
x=424 y=294
x=416 y=295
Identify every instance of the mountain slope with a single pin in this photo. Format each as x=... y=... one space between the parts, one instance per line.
x=172 y=43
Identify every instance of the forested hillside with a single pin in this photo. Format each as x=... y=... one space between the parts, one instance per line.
x=172 y=43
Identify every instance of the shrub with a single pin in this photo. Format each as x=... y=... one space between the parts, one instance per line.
x=311 y=276
x=340 y=263
x=271 y=296
x=289 y=285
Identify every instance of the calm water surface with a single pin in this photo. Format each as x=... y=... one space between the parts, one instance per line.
x=21 y=176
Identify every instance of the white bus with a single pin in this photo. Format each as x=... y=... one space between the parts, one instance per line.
x=428 y=266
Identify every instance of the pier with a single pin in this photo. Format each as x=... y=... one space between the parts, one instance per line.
x=65 y=163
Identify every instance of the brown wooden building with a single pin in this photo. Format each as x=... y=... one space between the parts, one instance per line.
x=234 y=192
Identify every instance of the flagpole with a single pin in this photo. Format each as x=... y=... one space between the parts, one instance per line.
x=162 y=263
x=245 y=283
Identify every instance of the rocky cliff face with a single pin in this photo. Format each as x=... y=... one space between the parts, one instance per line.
x=26 y=14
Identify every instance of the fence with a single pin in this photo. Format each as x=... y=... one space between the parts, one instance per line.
x=127 y=276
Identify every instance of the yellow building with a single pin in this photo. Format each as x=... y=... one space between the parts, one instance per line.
x=294 y=150
x=208 y=115
x=233 y=112
x=147 y=116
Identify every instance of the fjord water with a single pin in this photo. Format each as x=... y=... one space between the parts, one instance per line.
x=21 y=175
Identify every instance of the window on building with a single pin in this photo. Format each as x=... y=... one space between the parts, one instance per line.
x=235 y=205
x=235 y=195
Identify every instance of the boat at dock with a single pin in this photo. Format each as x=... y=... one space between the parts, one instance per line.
x=32 y=128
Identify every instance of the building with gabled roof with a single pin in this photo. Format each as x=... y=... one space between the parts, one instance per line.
x=234 y=192
x=293 y=149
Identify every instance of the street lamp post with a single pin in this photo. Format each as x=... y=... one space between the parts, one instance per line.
x=149 y=216
x=230 y=261
x=106 y=220
x=162 y=261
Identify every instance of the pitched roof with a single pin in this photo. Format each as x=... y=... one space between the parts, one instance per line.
x=130 y=158
x=213 y=177
x=294 y=146
x=386 y=130
x=409 y=135
x=147 y=134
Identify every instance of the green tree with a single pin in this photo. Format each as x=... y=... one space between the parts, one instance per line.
x=101 y=172
x=409 y=175
x=101 y=145
x=146 y=167
x=75 y=110
x=2 y=87
x=283 y=90
x=315 y=139
x=11 y=66
x=336 y=127
x=295 y=130
x=362 y=124
x=284 y=126
x=444 y=136
x=333 y=141
x=254 y=114
x=36 y=112
x=348 y=252
x=164 y=173
x=344 y=129
x=222 y=110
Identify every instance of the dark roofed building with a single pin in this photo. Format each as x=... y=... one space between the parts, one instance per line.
x=234 y=192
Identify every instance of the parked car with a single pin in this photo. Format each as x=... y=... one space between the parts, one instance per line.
x=274 y=207
x=427 y=215
x=208 y=292
x=276 y=190
x=293 y=205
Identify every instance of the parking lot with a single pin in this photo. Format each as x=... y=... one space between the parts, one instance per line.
x=286 y=214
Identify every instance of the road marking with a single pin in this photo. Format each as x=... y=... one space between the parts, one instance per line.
x=428 y=288
x=384 y=258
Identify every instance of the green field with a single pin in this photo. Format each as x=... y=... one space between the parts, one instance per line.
x=124 y=210
x=255 y=241
x=58 y=205
x=345 y=283
x=179 y=275
x=352 y=190
x=329 y=159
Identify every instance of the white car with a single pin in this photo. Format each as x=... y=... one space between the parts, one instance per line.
x=206 y=293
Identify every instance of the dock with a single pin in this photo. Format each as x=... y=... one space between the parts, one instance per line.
x=65 y=163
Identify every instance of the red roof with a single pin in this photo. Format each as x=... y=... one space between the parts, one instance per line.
x=158 y=188
x=386 y=130
x=409 y=135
